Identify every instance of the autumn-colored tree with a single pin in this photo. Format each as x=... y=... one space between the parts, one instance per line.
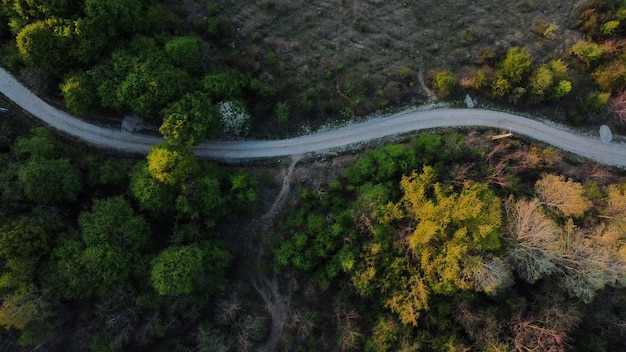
x=616 y=202
x=451 y=228
x=23 y=307
x=500 y=87
x=610 y=77
x=566 y=196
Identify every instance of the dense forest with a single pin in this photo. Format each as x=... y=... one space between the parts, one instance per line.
x=446 y=242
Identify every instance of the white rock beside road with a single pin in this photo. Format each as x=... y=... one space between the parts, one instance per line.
x=605 y=134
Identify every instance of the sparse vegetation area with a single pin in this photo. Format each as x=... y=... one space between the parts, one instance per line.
x=444 y=242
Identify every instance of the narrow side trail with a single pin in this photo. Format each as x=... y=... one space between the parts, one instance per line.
x=613 y=154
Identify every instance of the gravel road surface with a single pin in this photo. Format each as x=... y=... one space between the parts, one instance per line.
x=322 y=142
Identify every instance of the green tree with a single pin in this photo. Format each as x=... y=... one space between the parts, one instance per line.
x=183 y=270
x=106 y=24
x=40 y=143
x=5 y=30
x=595 y=102
x=517 y=65
x=151 y=193
x=44 y=45
x=116 y=16
x=152 y=85
x=48 y=181
x=109 y=252
x=189 y=120
x=23 y=239
x=113 y=221
x=185 y=52
x=80 y=94
x=226 y=85
x=243 y=190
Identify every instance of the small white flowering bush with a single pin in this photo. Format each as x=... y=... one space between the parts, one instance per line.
x=234 y=118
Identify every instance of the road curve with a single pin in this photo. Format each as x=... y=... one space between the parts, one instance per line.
x=613 y=154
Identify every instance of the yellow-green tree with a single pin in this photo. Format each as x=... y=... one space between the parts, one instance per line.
x=170 y=165
x=446 y=242
x=452 y=229
x=517 y=65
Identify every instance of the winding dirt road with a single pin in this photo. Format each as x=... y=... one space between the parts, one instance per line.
x=322 y=142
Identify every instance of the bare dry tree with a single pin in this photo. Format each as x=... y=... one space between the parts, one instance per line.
x=534 y=243
x=538 y=157
x=492 y=275
x=496 y=150
x=276 y=304
x=529 y=336
x=482 y=326
x=211 y=340
x=617 y=108
x=545 y=330
x=461 y=173
x=348 y=333
x=613 y=47
x=500 y=174
x=599 y=173
x=229 y=307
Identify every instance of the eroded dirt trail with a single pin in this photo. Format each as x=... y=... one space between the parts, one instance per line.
x=277 y=303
